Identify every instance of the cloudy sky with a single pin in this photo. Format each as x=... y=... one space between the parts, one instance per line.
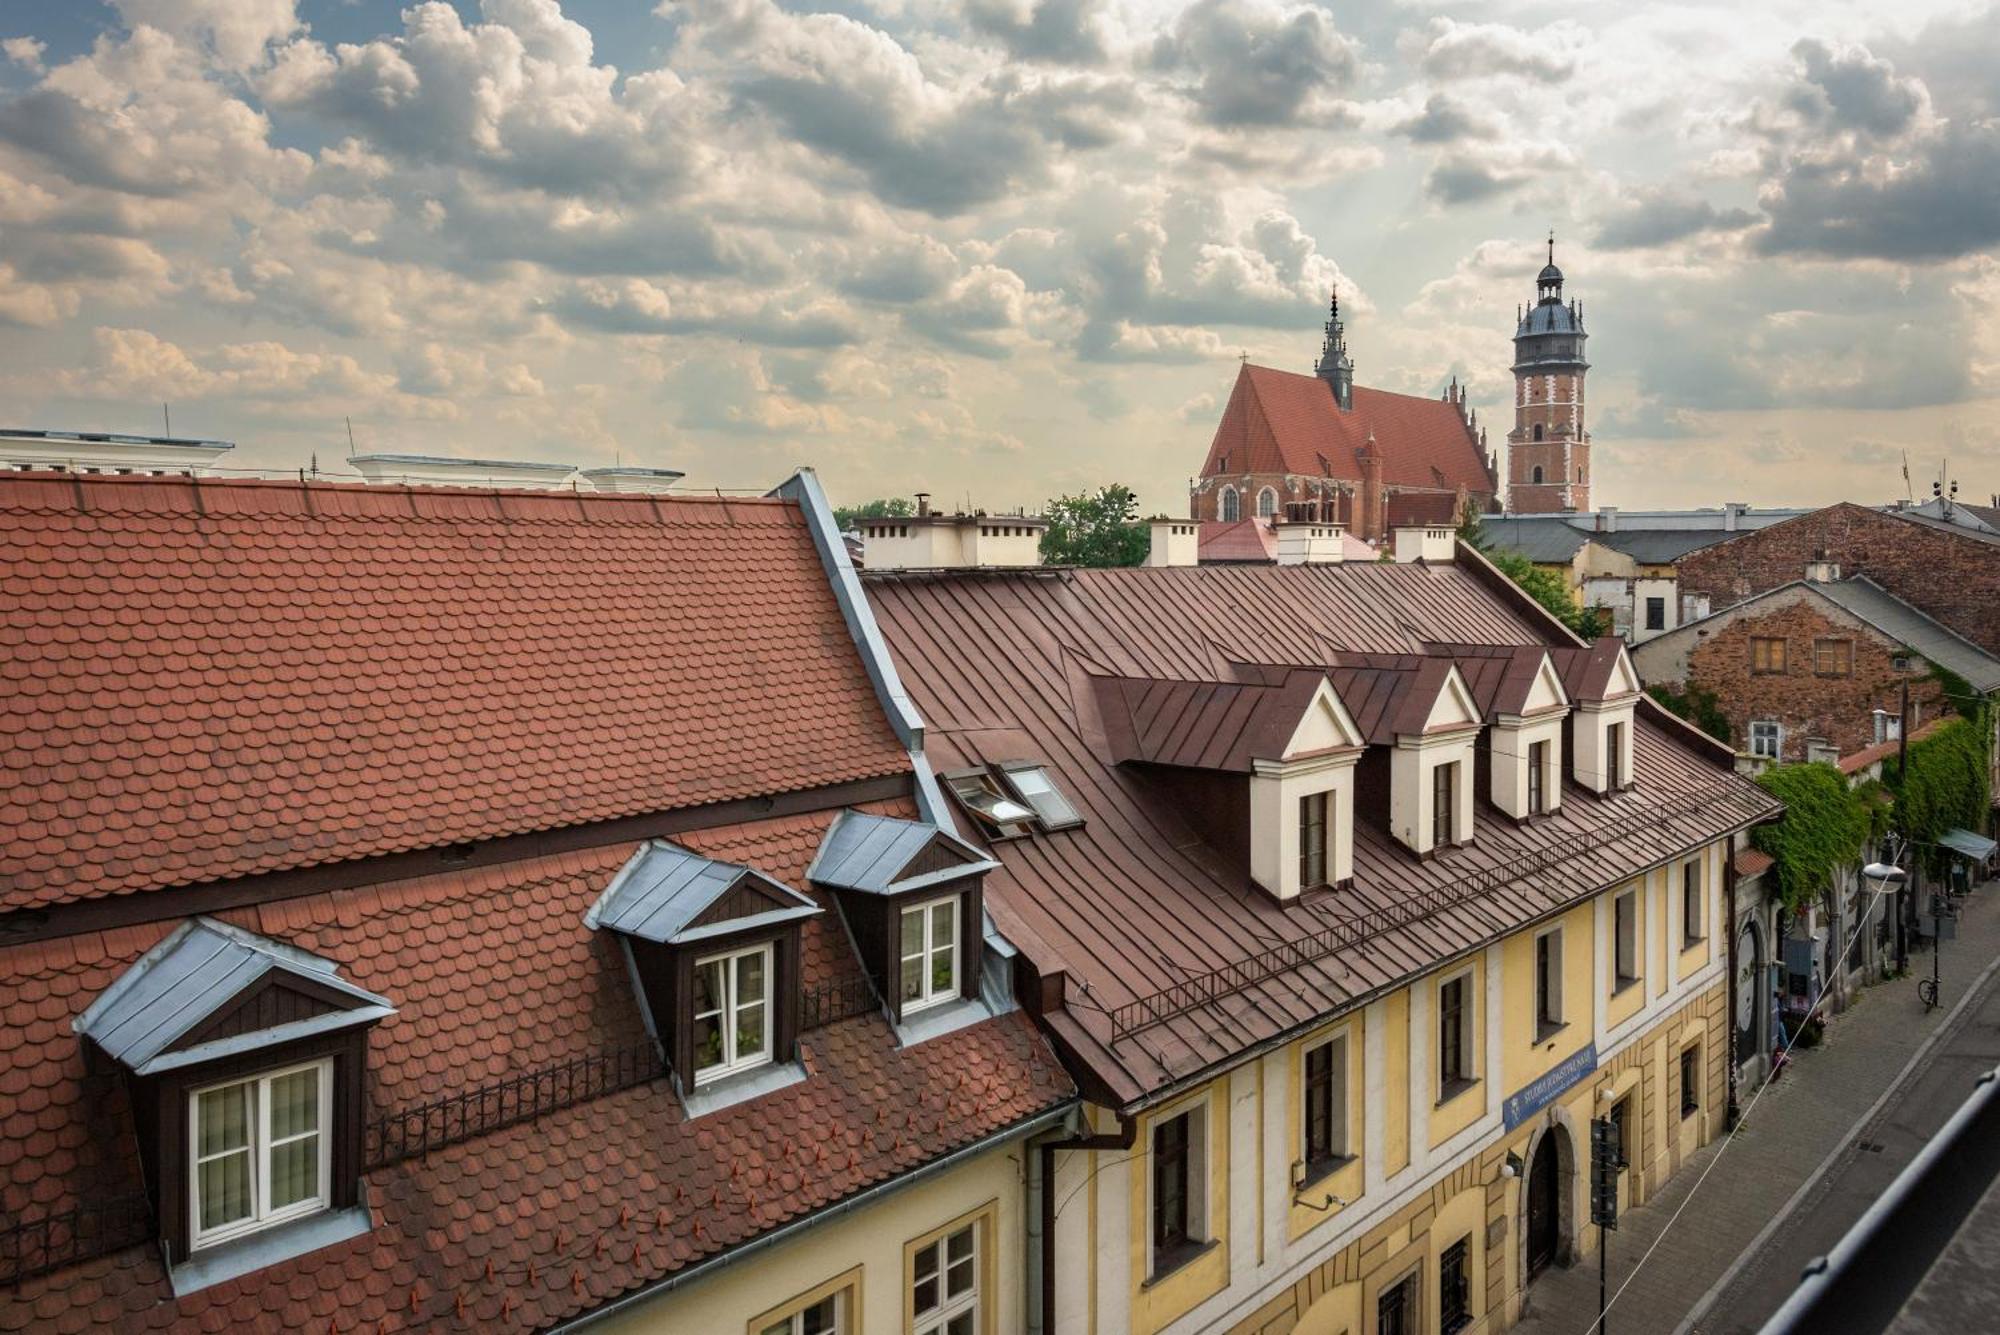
x=999 y=248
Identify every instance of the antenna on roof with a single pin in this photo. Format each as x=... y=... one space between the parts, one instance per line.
x=166 y=415
x=350 y=436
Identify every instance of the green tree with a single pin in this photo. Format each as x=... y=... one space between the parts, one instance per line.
x=1099 y=528
x=1695 y=704
x=1945 y=787
x=888 y=507
x=1825 y=827
x=1547 y=588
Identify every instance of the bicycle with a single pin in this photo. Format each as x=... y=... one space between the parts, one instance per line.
x=1927 y=992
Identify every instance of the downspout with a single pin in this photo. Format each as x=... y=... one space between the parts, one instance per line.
x=1735 y=971
x=1121 y=1139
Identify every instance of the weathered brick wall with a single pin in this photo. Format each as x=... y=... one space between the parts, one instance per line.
x=1953 y=577
x=1832 y=709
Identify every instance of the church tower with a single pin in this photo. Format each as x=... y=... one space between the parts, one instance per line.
x=1548 y=451
x=1335 y=367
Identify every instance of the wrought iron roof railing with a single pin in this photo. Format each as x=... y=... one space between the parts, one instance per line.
x=1240 y=975
x=36 y=1246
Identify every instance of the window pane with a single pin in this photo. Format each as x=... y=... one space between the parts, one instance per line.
x=750 y=978
x=941 y=976
x=295 y=1104
x=707 y=1042
x=944 y=923
x=294 y=1172
x=913 y=932
x=822 y=1318
x=913 y=979
x=708 y=987
x=960 y=1324
x=924 y=1294
x=223 y=1120
x=750 y=1031
x=225 y=1190
x=959 y=1271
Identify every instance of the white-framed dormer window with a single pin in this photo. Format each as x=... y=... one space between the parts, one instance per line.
x=929 y=953
x=732 y=1012
x=260 y=1151
x=1767 y=738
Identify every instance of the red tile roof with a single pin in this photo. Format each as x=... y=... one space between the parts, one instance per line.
x=1753 y=862
x=1137 y=897
x=1856 y=761
x=1282 y=422
x=208 y=679
x=494 y=974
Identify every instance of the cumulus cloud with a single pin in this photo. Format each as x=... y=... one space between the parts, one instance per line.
x=636 y=306
x=238 y=32
x=1065 y=32
x=1445 y=120
x=1449 y=49
x=1847 y=88
x=1657 y=217
x=1470 y=177
x=25 y=52
x=1259 y=63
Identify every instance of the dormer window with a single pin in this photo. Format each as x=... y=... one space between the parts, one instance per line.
x=1444 y=804
x=714 y=947
x=1312 y=840
x=732 y=1013
x=249 y=1054
x=262 y=1151
x=929 y=953
x=1601 y=680
x=1434 y=722
x=910 y=892
x=1538 y=782
x=1614 y=756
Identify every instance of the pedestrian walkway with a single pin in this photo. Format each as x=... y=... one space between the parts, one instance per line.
x=1793 y=1128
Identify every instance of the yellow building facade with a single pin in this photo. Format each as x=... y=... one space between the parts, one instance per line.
x=1460 y=1176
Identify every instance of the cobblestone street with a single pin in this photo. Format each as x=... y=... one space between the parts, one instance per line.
x=1873 y=1056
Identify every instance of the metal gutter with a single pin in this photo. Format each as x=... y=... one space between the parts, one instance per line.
x=662 y=1287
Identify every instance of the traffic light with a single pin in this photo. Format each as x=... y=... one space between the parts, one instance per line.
x=1605 y=1159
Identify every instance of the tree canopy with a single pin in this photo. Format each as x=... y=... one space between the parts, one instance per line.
x=1946 y=787
x=887 y=507
x=1825 y=827
x=1099 y=528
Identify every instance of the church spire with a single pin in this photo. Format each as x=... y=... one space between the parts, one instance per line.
x=1335 y=367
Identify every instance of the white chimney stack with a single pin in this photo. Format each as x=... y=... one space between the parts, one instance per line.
x=1424 y=542
x=1174 y=542
x=1304 y=542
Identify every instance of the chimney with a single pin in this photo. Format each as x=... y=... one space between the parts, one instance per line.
x=1175 y=542
x=927 y=541
x=1819 y=570
x=1424 y=542
x=1607 y=519
x=1371 y=504
x=1309 y=542
x=1731 y=512
x=923 y=504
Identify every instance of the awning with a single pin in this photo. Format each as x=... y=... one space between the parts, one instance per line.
x=1975 y=846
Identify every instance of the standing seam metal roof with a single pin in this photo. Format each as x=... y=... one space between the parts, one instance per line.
x=868 y=853
x=659 y=893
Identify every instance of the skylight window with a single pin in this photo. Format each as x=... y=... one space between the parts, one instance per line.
x=1000 y=815
x=1034 y=786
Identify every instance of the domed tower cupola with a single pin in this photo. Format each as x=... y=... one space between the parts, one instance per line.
x=1335 y=367
x=1548 y=451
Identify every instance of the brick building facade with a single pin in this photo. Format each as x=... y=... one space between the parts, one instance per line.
x=1950 y=573
x=1798 y=677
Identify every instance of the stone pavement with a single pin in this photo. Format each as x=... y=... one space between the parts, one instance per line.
x=1800 y=1122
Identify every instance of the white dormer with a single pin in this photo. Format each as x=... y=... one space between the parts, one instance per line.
x=1431 y=771
x=1602 y=732
x=1526 y=747
x=1302 y=803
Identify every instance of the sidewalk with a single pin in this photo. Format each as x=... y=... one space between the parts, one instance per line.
x=1807 y=1116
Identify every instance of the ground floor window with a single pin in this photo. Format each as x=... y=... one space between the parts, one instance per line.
x=1455 y=1287
x=1691 y=1080
x=1396 y=1309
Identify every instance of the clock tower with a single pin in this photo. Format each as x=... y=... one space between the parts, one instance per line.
x=1548 y=451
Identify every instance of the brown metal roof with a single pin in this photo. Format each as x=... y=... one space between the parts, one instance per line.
x=1135 y=906
x=1203 y=724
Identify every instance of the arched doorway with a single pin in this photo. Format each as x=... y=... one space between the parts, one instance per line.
x=1752 y=996
x=1544 y=1232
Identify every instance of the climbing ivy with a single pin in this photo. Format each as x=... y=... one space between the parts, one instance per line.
x=1825 y=827
x=1695 y=704
x=1946 y=787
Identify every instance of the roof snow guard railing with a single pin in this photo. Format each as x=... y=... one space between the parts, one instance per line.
x=1241 y=975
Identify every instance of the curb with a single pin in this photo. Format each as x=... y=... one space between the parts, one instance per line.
x=1755 y=1245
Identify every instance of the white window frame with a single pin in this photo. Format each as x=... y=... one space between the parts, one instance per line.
x=732 y=1061
x=1694 y=931
x=1776 y=732
x=1556 y=1017
x=949 y=1307
x=1469 y=1029
x=260 y=1147
x=1342 y=1149
x=931 y=996
x=795 y=1324
x=1049 y=802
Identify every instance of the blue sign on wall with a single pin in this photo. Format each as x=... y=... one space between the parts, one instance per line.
x=1540 y=1092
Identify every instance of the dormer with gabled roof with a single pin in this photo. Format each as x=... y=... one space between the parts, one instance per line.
x=1436 y=730
x=1604 y=687
x=910 y=893
x=246 y=1058
x=1521 y=691
x=714 y=950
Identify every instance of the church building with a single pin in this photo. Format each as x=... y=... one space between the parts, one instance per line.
x=1318 y=448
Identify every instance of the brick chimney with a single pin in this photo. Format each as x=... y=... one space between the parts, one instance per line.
x=1372 y=505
